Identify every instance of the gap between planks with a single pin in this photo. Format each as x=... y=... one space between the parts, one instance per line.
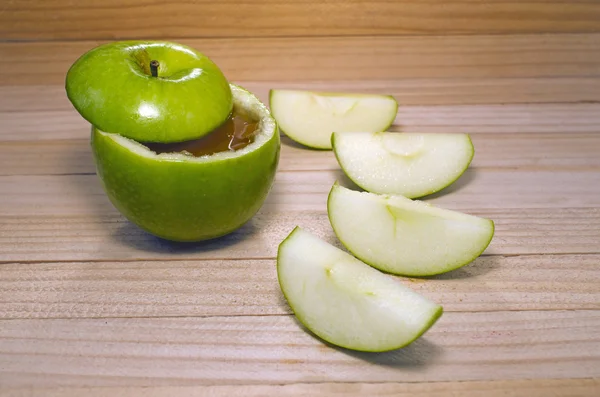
x=230 y=316
x=266 y=258
x=582 y=387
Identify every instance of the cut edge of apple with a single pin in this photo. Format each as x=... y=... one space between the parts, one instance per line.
x=421 y=194
x=324 y=143
x=435 y=314
x=426 y=207
x=459 y=174
x=244 y=102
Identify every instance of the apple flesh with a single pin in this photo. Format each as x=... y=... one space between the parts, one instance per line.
x=183 y=96
x=310 y=118
x=347 y=303
x=407 y=164
x=406 y=237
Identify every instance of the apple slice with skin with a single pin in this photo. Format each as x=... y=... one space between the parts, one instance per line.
x=347 y=303
x=406 y=237
x=310 y=118
x=407 y=164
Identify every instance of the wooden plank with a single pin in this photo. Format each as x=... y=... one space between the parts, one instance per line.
x=512 y=388
x=490 y=119
x=250 y=287
x=109 y=237
x=454 y=91
x=525 y=151
x=44 y=217
x=46 y=157
x=28 y=20
x=345 y=58
x=477 y=189
x=275 y=350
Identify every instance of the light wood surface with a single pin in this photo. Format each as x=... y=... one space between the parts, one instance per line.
x=124 y=19
x=276 y=350
x=90 y=305
x=361 y=58
x=474 y=119
x=513 y=388
x=249 y=287
x=525 y=151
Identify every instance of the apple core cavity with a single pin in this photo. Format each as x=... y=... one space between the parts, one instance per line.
x=235 y=133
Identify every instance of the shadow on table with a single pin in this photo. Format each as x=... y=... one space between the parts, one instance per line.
x=87 y=186
x=462 y=182
x=479 y=267
x=136 y=238
x=286 y=141
x=344 y=181
x=417 y=355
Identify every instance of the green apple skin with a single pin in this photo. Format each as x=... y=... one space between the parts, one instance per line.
x=111 y=86
x=376 y=170
x=404 y=237
x=345 y=302
x=188 y=200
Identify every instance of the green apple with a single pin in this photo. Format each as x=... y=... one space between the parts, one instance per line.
x=406 y=237
x=407 y=164
x=347 y=303
x=309 y=118
x=185 y=198
x=114 y=87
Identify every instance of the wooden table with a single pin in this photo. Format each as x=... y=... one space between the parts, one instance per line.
x=90 y=305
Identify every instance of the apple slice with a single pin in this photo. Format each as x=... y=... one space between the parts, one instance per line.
x=406 y=237
x=411 y=165
x=309 y=118
x=346 y=302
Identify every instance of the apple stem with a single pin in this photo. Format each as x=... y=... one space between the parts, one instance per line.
x=154 y=68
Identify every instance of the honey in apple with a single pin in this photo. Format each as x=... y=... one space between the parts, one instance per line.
x=234 y=134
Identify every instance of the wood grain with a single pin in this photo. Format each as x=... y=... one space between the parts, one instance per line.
x=434 y=91
x=45 y=217
x=28 y=20
x=250 y=287
x=513 y=388
x=111 y=238
x=91 y=305
x=525 y=151
x=345 y=58
x=475 y=119
x=275 y=350
x=82 y=195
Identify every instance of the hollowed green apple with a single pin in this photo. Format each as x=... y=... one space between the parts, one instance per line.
x=346 y=302
x=184 y=198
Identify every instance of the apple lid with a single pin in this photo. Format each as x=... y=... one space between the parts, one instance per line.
x=149 y=91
